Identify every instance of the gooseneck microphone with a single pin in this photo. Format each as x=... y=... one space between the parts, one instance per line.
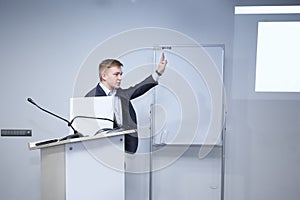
x=76 y=133
x=87 y=117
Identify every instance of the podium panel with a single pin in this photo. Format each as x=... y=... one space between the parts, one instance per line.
x=53 y=185
x=88 y=176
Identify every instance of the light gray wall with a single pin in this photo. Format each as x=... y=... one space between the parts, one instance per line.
x=262 y=152
x=43 y=44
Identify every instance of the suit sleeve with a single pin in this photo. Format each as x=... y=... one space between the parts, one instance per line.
x=139 y=89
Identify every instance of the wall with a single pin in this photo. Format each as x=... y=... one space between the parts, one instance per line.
x=43 y=44
x=262 y=151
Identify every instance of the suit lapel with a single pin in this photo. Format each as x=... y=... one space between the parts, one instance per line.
x=99 y=91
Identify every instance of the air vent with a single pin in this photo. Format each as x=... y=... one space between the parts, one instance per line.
x=16 y=132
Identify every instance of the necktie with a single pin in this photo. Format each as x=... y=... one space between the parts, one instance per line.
x=117 y=111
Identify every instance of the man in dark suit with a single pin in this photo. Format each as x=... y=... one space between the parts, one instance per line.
x=110 y=74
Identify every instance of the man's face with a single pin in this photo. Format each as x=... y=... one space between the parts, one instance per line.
x=112 y=77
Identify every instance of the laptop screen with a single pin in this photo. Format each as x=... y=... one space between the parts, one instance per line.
x=87 y=109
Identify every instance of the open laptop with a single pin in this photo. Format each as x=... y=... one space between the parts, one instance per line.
x=86 y=109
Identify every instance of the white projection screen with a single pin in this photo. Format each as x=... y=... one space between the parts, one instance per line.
x=278 y=58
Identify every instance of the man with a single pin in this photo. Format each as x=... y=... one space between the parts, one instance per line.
x=110 y=74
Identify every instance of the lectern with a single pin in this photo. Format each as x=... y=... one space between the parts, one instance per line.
x=83 y=168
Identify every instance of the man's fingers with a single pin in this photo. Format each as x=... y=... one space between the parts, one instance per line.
x=162 y=58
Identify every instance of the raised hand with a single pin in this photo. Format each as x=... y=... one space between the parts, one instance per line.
x=161 y=65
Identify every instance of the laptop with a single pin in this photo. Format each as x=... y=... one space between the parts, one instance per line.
x=87 y=109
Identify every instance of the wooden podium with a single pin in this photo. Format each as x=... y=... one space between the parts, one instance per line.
x=83 y=168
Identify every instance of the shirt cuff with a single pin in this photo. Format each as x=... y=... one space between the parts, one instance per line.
x=155 y=76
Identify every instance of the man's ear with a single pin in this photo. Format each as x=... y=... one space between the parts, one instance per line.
x=103 y=76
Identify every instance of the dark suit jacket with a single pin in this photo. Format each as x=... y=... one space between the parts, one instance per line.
x=128 y=113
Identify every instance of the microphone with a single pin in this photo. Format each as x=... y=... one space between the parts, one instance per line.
x=100 y=118
x=76 y=133
x=87 y=117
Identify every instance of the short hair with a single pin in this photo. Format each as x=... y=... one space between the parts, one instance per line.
x=107 y=63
